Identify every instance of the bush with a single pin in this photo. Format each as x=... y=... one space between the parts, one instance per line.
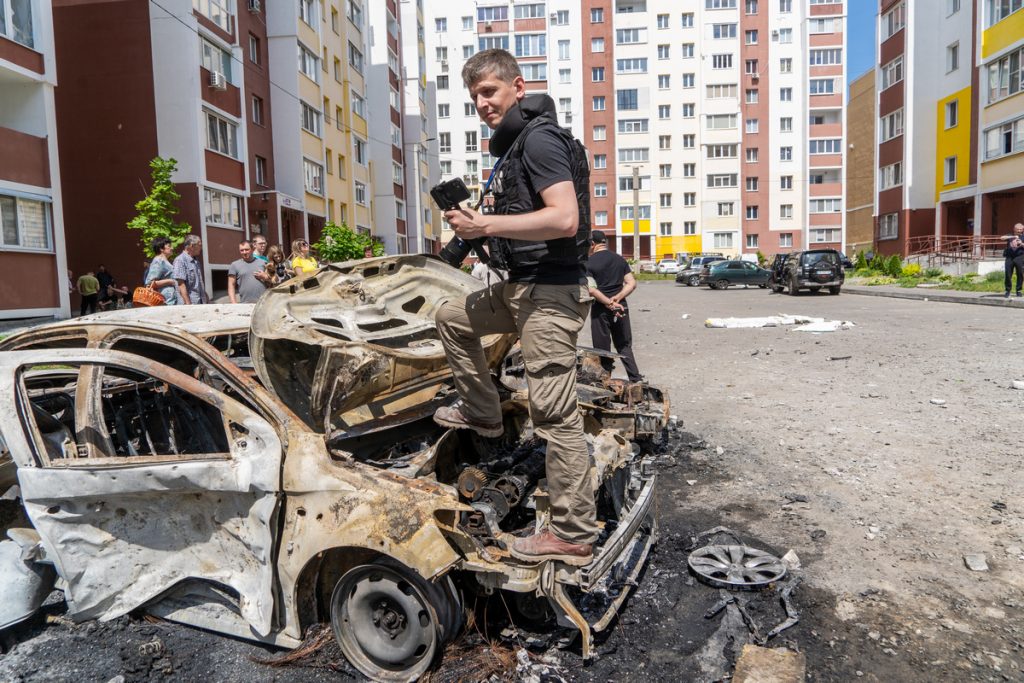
x=340 y=243
x=860 y=261
x=894 y=266
x=994 y=276
x=878 y=263
x=934 y=272
x=911 y=270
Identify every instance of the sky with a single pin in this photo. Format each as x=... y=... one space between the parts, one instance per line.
x=861 y=40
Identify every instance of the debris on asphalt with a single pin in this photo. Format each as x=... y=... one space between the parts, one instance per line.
x=1017 y=384
x=838 y=357
x=760 y=665
x=792 y=615
x=791 y=560
x=976 y=562
x=937 y=401
x=761 y=321
x=736 y=566
x=824 y=326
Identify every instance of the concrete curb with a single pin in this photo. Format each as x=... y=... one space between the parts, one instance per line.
x=940 y=295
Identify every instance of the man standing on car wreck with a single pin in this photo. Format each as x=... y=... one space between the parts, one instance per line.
x=539 y=232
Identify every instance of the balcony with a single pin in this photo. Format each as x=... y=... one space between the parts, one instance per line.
x=25 y=158
x=825 y=130
x=826 y=189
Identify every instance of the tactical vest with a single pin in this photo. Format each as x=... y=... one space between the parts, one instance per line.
x=514 y=194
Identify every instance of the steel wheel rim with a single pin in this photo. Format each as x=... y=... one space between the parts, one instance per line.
x=383 y=622
x=736 y=566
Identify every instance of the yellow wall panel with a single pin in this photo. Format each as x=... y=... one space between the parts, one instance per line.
x=1002 y=35
x=955 y=141
x=626 y=228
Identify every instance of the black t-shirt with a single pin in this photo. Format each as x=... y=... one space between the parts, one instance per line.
x=547 y=160
x=608 y=270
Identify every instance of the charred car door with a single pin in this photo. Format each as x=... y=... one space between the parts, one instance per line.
x=139 y=477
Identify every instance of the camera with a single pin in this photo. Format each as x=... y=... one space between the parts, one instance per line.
x=450 y=195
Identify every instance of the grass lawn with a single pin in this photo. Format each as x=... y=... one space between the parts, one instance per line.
x=993 y=282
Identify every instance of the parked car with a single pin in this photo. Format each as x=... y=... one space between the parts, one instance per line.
x=811 y=269
x=646 y=266
x=690 y=273
x=257 y=469
x=668 y=266
x=724 y=274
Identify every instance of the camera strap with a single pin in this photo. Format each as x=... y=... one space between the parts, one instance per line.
x=490 y=268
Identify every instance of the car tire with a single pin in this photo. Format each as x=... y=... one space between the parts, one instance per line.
x=390 y=623
x=834 y=290
x=763 y=286
x=722 y=284
x=794 y=288
x=694 y=281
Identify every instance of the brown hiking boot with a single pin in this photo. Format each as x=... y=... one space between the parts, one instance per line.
x=452 y=416
x=547 y=546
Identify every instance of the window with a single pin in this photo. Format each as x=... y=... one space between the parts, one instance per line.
x=25 y=223
x=888 y=227
x=597 y=15
x=751 y=126
x=752 y=212
x=892 y=72
x=687 y=19
x=689 y=110
x=561 y=17
x=719 y=4
x=826 y=57
x=894 y=20
x=785 y=154
x=597 y=74
x=750 y=96
x=786 y=124
x=467 y=51
x=689 y=81
x=531 y=44
x=664 y=111
x=443 y=111
x=217 y=11
x=689 y=227
x=750 y=67
x=662 y=21
x=359 y=150
x=891 y=126
x=828 y=25
x=628 y=126
x=949 y=170
x=441 y=25
x=689 y=170
x=600 y=161
x=721 y=31
x=308 y=64
x=468 y=109
x=600 y=189
x=825 y=146
x=752 y=184
x=626 y=99
x=751 y=6
x=397 y=173
x=530 y=11
x=953 y=57
x=825 y=206
x=663 y=51
x=785 y=211
x=664 y=142
x=626 y=212
x=534 y=72
x=492 y=42
x=310 y=119
x=722 y=240
x=221 y=208
x=446 y=168
x=354 y=12
x=785 y=35
x=358 y=104
x=722 y=152
x=997 y=10
x=689 y=141
x=786 y=65
x=257 y=110
x=601 y=218
x=722 y=180
x=630 y=36
x=665 y=229
x=442 y=82
x=261 y=171
x=750 y=37
x=785 y=6
x=1005 y=76
x=786 y=182
x=254 y=49
x=634 y=154
x=1005 y=139
x=690 y=199
x=786 y=240
x=952 y=7
x=663 y=81
x=751 y=241
x=664 y=170
x=688 y=49
x=492 y=14
x=721 y=121
x=360 y=193
x=565 y=75
x=890 y=176
x=751 y=154
x=221 y=135
x=597 y=44
x=441 y=53
x=212 y=57
x=600 y=133
x=821 y=235
x=665 y=200
x=471 y=145
x=721 y=61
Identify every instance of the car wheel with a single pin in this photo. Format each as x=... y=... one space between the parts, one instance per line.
x=794 y=288
x=763 y=285
x=834 y=290
x=389 y=622
x=722 y=284
x=694 y=281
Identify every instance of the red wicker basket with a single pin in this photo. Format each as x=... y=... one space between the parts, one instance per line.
x=146 y=296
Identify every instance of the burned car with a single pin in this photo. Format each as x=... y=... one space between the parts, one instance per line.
x=258 y=469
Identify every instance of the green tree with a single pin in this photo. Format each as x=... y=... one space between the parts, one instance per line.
x=341 y=243
x=860 y=261
x=894 y=267
x=158 y=209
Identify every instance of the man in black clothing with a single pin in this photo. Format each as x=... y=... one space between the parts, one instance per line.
x=613 y=282
x=1014 y=259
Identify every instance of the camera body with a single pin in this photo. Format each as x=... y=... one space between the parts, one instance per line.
x=449 y=195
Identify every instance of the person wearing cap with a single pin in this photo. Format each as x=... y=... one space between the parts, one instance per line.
x=612 y=281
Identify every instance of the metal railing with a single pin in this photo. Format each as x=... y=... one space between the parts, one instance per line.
x=955 y=248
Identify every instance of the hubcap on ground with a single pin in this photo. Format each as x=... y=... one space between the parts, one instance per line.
x=736 y=566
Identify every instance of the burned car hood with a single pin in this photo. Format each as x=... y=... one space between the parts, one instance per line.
x=356 y=341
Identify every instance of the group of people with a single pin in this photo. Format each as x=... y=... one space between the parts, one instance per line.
x=258 y=267
x=99 y=291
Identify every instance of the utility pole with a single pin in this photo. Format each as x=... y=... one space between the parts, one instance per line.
x=636 y=213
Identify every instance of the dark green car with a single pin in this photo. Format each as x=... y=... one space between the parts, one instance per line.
x=722 y=274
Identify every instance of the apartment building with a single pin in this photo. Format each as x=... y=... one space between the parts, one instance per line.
x=714 y=126
x=32 y=255
x=419 y=127
x=860 y=181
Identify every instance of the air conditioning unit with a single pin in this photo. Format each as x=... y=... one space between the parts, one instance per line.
x=755 y=76
x=217 y=81
x=255 y=5
x=488 y=25
x=775 y=35
x=444 y=66
x=554 y=16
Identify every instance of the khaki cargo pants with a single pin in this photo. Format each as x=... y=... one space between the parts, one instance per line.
x=548 y=319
